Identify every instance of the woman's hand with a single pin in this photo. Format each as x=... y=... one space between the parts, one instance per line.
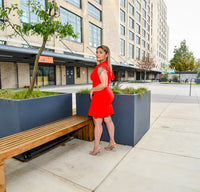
x=91 y=93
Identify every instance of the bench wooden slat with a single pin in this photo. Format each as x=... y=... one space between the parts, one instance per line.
x=18 y=143
x=63 y=122
x=17 y=140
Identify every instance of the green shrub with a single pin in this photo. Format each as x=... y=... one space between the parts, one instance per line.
x=84 y=91
x=175 y=77
x=127 y=91
x=23 y=94
x=165 y=76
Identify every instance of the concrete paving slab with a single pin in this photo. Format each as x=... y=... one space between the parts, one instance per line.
x=182 y=111
x=73 y=162
x=143 y=171
x=27 y=177
x=174 y=124
x=179 y=143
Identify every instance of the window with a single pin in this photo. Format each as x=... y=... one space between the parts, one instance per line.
x=138 y=40
x=122 y=15
x=45 y=74
x=148 y=9
x=122 y=47
x=143 y=23
x=143 y=13
x=143 y=33
x=74 y=20
x=95 y=35
x=130 y=73
x=148 y=47
x=143 y=54
x=132 y=1
x=28 y=16
x=144 y=3
x=131 y=50
x=78 y=72
x=131 y=35
x=131 y=9
x=138 y=5
x=138 y=16
x=122 y=30
x=94 y=12
x=148 y=18
x=137 y=28
x=122 y=3
x=148 y=27
x=148 y=37
x=143 y=43
x=98 y=1
x=131 y=22
x=137 y=53
x=77 y=3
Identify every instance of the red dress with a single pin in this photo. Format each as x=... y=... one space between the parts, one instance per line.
x=101 y=103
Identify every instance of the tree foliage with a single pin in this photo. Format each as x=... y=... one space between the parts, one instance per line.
x=183 y=59
x=49 y=26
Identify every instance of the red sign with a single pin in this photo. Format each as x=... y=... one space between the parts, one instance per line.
x=45 y=59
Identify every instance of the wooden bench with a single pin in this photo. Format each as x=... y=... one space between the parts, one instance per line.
x=16 y=144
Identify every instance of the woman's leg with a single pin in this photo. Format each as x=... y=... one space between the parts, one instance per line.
x=97 y=135
x=111 y=130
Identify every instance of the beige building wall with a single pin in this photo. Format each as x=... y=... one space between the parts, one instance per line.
x=83 y=76
x=23 y=74
x=160 y=33
x=8 y=75
x=111 y=35
x=60 y=75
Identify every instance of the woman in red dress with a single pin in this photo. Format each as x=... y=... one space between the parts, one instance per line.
x=101 y=98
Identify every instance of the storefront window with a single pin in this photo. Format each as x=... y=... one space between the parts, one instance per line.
x=45 y=75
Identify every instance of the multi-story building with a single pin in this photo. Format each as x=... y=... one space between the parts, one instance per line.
x=160 y=45
x=124 y=25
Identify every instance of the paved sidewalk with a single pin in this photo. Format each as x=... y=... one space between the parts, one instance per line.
x=167 y=158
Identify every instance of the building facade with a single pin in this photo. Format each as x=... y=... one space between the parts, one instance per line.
x=124 y=25
x=160 y=44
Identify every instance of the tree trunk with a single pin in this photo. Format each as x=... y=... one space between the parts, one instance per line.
x=35 y=66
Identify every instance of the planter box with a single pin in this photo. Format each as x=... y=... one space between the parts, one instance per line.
x=131 y=118
x=20 y=115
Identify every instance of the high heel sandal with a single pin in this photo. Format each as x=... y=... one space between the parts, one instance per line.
x=95 y=152
x=109 y=148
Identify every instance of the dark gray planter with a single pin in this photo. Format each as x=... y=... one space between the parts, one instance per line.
x=131 y=118
x=20 y=115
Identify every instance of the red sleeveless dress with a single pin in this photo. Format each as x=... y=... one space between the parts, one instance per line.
x=101 y=103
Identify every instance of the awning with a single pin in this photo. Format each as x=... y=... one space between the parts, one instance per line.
x=27 y=55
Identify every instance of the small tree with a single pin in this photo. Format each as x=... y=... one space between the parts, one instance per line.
x=183 y=59
x=145 y=64
x=48 y=27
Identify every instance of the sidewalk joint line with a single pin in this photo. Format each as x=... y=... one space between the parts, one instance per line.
x=60 y=177
x=112 y=170
x=179 y=155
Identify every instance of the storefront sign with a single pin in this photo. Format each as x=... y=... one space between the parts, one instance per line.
x=45 y=59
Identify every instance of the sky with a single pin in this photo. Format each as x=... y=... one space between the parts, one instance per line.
x=183 y=18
